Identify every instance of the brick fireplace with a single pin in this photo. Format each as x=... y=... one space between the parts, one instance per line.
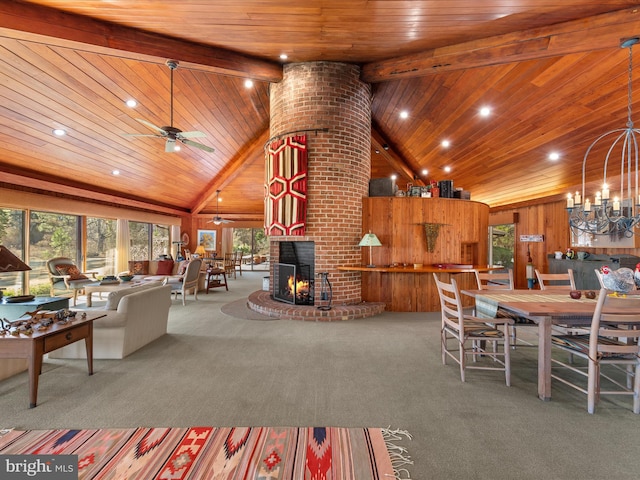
x=294 y=274
x=328 y=102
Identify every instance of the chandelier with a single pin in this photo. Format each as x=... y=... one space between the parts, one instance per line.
x=619 y=215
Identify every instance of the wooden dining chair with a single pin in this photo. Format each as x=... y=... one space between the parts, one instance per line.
x=504 y=281
x=229 y=264
x=494 y=281
x=556 y=281
x=610 y=352
x=463 y=335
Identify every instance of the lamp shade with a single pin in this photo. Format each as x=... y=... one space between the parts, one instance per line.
x=10 y=263
x=370 y=240
x=200 y=250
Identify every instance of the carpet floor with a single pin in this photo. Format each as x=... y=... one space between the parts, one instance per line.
x=213 y=368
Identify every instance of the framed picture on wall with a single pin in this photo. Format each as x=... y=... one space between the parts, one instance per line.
x=207 y=238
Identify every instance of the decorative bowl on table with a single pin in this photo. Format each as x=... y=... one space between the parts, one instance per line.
x=126 y=278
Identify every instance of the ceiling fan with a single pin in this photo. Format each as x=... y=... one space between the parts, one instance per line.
x=171 y=133
x=218 y=220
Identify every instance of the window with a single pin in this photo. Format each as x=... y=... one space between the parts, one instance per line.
x=161 y=241
x=502 y=245
x=148 y=242
x=139 y=237
x=51 y=235
x=254 y=245
x=101 y=245
x=12 y=237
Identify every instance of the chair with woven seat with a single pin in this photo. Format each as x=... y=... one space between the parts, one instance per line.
x=64 y=275
x=611 y=352
x=470 y=334
x=503 y=281
x=229 y=264
x=556 y=281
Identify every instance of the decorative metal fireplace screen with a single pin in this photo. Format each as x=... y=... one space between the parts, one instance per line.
x=293 y=284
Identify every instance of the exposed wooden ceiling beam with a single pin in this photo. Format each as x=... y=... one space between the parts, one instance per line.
x=108 y=38
x=584 y=35
x=231 y=171
x=65 y=188
x=392 y=158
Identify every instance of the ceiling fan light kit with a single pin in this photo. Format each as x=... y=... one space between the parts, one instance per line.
x=217 y=219
x=171 y=133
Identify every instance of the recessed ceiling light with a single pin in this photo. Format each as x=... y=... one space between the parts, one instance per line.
x=554 y=156
x=115 y=172
x=283 y=56
x=131 y=103
x=59 y=132
x=404 y=114
x=248 y=83
x=425 y=171
x=445 y=143
x=447 y=169
x=394 y=177
x=485 y=111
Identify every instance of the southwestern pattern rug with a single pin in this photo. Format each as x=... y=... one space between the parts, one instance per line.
x=258 y=453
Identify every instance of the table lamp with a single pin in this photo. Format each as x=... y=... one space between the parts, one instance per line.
x=10 y=263
x=200 y=251
x=370 y=240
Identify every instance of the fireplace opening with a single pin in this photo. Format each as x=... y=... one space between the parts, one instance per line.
x=293 y=280
x=293 y=284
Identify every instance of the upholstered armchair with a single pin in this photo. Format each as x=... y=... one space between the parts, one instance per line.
x=189 y=281
x=65 y=275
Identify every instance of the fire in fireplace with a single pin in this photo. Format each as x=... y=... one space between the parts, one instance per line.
x=293 y=284
x=294 y=273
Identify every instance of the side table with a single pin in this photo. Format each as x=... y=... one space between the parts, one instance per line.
x=13 y=311
x=34 y=346
x=214 y=279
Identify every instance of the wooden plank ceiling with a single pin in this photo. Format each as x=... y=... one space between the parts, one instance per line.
x=553 y=75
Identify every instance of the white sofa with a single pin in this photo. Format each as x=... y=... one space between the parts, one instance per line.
x=134 y=317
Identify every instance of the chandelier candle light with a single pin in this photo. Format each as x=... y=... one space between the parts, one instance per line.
x=604 y=216
x=370 y=240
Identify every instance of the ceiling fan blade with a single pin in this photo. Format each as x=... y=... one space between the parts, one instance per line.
x=194 y=134
x=219 y=220
x=152 y=126
x=197 y=145
x=170 y=145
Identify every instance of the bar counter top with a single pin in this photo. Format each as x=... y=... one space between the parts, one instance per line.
x=445 y=267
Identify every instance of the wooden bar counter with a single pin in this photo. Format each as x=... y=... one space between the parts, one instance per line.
x=409 y=289
x=400 y=223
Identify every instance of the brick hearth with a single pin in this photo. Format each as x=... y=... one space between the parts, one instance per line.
x=262 y=303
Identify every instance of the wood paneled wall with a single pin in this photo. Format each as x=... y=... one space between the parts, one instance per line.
x=549 y=219
x=398 y=223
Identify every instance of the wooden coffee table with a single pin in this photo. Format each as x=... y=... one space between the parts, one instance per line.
x=34 y=346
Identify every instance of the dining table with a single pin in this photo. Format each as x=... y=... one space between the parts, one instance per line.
x=544 y=308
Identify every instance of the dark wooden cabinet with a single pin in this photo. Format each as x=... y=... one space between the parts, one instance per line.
x=584 y=270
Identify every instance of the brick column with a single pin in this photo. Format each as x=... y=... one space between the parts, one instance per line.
x=329 y=95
